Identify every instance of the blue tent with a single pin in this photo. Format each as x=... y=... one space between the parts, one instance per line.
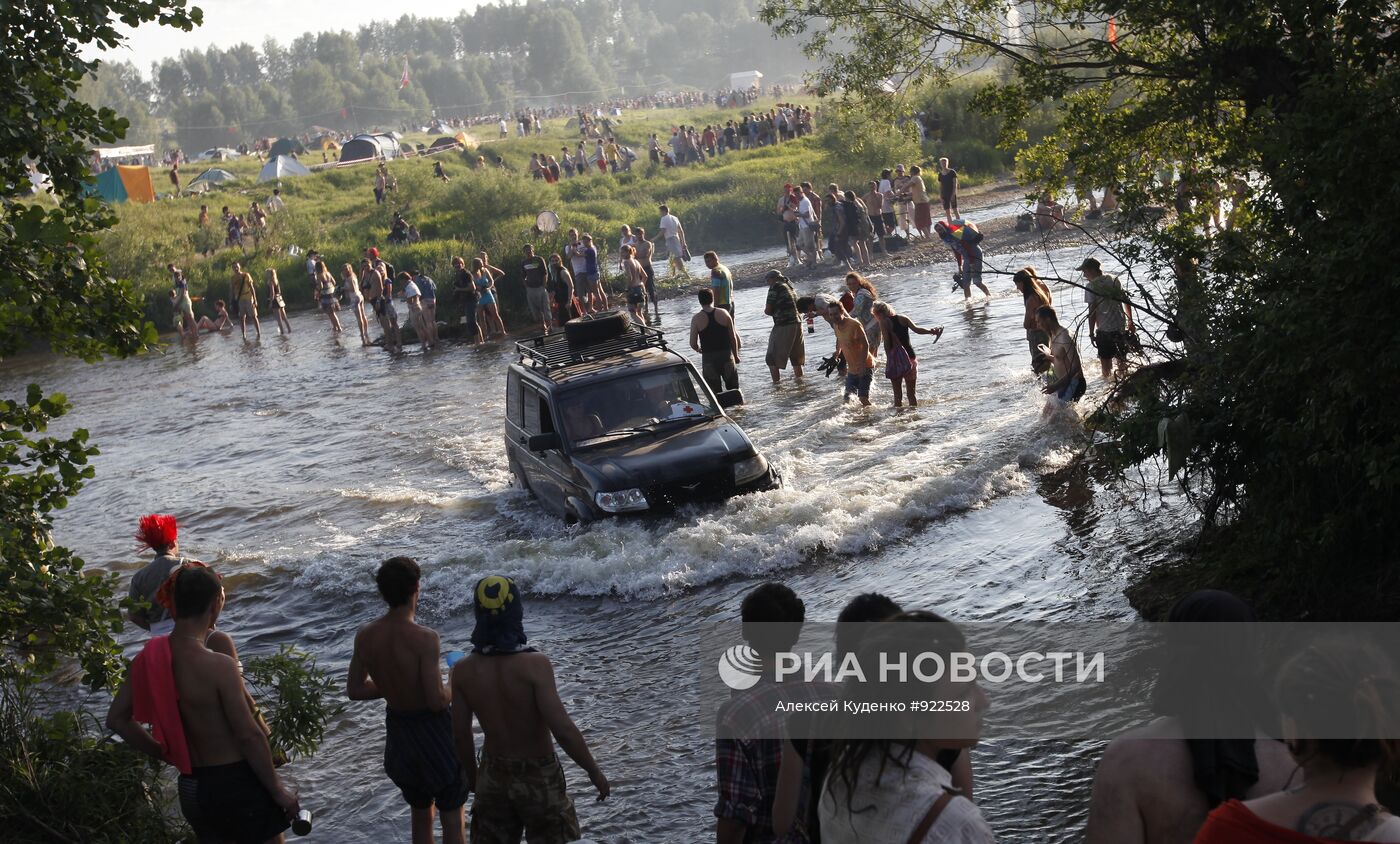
x=108 y=186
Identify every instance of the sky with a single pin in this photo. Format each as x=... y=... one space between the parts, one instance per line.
x=230 y=22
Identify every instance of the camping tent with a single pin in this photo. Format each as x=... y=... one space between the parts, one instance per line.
x=467 y=141
x=285 y=146
x=212 y=177
x=281 y=167
x=324 y=142
x=445 y=143
x=744 y=80
x=363 y=147
x=121 y=183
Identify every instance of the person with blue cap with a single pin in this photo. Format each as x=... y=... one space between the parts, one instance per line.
x=509 y=688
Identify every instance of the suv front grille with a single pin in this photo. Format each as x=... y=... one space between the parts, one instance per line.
x=712 y=485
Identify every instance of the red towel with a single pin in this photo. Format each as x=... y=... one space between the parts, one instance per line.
x=156 y=702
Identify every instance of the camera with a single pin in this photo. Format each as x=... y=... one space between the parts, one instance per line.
x=957 y=282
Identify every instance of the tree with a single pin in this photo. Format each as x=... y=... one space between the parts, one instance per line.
x=1271 y=398
x=58 y=780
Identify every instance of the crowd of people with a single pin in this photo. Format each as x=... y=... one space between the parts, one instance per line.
x=572 y=283
x=184 y=702
x=849 y=227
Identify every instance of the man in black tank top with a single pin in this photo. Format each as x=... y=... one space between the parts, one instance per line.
x=712 y=334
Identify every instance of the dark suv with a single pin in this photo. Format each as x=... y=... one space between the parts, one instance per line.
x=603 y=418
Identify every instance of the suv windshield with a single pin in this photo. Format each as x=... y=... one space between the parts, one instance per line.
x=633 y=405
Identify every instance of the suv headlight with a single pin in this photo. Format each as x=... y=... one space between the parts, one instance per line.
x=622 y=500
x=751 y=469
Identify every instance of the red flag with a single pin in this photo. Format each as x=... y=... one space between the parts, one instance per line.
x=403 y=81
x=1112 y=40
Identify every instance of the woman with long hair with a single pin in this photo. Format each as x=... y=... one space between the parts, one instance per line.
x=1036 y=295
x=1332 y=688
x=864 y=295
x=898 y=788
x=489 y=313
x=325 y=295
x=355 y=300
x=901 y=364
x=276 y=303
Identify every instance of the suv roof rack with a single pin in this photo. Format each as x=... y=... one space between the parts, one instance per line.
x=553 y=352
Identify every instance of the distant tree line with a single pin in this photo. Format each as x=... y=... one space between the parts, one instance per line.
x=496 y=58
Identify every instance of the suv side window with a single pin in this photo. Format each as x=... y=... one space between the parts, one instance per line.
x=535 y=412
x=530 y=401
x=513 y=398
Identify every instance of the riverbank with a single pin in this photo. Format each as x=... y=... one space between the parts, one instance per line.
x=728 y=201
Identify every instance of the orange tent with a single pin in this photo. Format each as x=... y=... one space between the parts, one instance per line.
x=137 y=181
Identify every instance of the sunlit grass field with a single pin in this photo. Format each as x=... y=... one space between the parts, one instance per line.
x=726 y=203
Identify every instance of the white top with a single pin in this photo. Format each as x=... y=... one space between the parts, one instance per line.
x=275 y=204
x=898 y=804
x=310 y=266
x=670 y=225
x=804 y=213
x=574 y=252
x=410 y=291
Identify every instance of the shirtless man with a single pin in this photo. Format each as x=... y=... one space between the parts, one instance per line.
x=380 y=293
x=232 y=792
x=397 y=659
x=636 y=285
x=509 y=688
x=646 y=249
x=854 y=347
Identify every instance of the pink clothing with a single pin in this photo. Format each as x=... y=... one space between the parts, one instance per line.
x=156 y=702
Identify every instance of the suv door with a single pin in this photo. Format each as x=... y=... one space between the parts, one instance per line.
x=516 y=451
x=547 y=470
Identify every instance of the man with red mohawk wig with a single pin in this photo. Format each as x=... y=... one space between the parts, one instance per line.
x=158 y=532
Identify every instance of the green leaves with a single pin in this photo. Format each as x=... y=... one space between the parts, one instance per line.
x=50 y=610
x=298 y=699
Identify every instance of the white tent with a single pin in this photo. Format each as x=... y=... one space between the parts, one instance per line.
x=745 y=80
x=281 y=167
x=125 y=152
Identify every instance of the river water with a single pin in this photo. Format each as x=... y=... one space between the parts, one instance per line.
x=298 y=463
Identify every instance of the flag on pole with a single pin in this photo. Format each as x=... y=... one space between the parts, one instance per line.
x=403 y=80
x=1112 y=42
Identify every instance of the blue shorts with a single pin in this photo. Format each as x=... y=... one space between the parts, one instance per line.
x=859 y=384
x=1073 y=390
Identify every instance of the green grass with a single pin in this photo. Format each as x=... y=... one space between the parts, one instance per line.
x=726 y=203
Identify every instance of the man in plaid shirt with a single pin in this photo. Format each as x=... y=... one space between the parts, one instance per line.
x=747 y=768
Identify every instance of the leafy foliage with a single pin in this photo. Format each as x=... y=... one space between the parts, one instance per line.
x=1272 y=398
x=59 y=782
x=52 y=283
x=51 y=610
x=295 y=696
